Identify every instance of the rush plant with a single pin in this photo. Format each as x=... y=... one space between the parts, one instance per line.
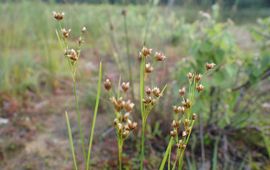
x=122 y=110
x=184 y=119
x=153 y=95
x=72 y=56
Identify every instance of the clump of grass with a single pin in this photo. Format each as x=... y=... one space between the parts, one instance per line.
x=184 y=119
x=72 y=55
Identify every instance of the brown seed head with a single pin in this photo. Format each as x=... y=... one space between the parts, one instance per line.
x=108 y=84
x=80 y=41
x=148 y=100
x=125 y=86
x=128 y=106
x=145 y=52
x=198 y=77
x=120 y=127
x=118 y=104
x=190 y=75
x=133 y=125
x=199 y=87
x=188 y=130
x=148 y=68
x=65 y=32
x=84 y=29
x=186 y=123
x=148 y=91
x=126 y=116
x=159 y=56
x=71 y=54
x=175 y=109
x=156 y=91
x=184 y=133
x=179 y=109
x=173 y=133
x=182 y=91
x=115 y=121
x=186 y=103
x=125 y=133
x=126 y=127
x=194 y=116
x=181 y=144
x=175 y=124
x=209 y=66
x=58 y=15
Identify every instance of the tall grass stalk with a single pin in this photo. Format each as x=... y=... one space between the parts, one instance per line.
x=128 y=55
x=142 y=74
x=81 y=132
x=71 y=143
x=94 y=118
x=167 y=155
x=120 y=143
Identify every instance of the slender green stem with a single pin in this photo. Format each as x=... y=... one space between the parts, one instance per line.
x=169 y=158
x=128 y=58
x=142 y=67
x=94 y=118
x=120 y=142
x=71 y=142
x=177 y=157
x=78 y=115
x=142 y=143
x=186 y=142
x=167 y=155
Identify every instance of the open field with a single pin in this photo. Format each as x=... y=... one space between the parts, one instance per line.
x=36 y=85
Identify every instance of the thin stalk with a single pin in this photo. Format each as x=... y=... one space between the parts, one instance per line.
x=201 y=139
x=71 y=142
x=142 y=67
x=182 y=154
x=120 y=150
x=169 y=158
x=128 y=58
x=142 y=144
x=177 y=158
x=94 y=118
x=78 y=115
x=167 y=155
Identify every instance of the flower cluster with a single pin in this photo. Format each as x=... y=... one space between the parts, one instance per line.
x=58 y=15
x=187 y=118
x=71 y=53
x=152 y=95
x=123 y=109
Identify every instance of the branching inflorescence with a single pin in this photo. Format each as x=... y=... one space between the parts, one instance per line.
x=148 y=96
x=122 y=110
x=184 y=119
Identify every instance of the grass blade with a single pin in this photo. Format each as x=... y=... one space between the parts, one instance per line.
x=166 y=154
x=214 y=160
x=71 y=142
x=94 y=118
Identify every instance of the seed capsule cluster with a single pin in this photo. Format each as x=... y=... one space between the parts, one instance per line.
x=182 y=125
x=147 y=54
x=123 y=108
x=71 y=53
x=152 y=94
